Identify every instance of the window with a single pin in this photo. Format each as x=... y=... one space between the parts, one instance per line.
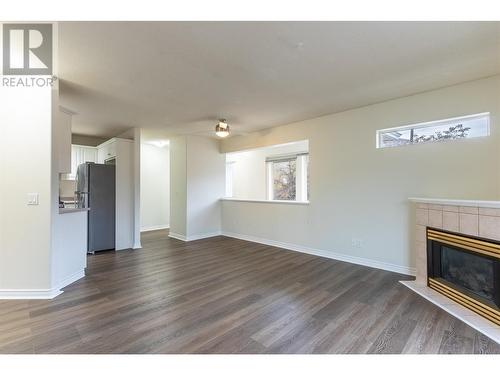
x=288 y=178
x=435 y=131
x=276 y=172
x=284 y=180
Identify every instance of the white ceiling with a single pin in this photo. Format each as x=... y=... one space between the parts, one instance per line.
x=180 y=77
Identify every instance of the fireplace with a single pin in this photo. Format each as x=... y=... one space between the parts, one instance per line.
x=465 y=269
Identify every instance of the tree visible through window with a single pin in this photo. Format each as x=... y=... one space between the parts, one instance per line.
x=453 y=132
x=435 y=131
x=284 y=180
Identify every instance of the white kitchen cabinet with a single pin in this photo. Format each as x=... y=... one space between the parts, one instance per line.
x=80 y=155
x=107 y=150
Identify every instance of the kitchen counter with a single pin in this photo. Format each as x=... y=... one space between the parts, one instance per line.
x=71 y=210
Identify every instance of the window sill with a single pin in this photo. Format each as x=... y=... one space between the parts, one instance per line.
x=265 y=201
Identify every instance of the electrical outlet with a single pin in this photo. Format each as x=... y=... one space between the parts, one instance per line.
x=32 y=199
x=357 y=242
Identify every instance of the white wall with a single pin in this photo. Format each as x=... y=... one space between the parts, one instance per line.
x=205 y=186
x=360 y=192
x=125 y=194
x=25 y=167
x=69 y=231
x=155 y=187
x=69 y=248
x=178 y=187
x=197 y=181
x=249 y=168
x=40 y=250
x=137 y=187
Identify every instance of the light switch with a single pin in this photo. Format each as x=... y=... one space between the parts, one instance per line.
x=32 y=199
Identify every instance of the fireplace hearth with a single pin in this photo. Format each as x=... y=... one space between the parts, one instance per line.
x=466 y=269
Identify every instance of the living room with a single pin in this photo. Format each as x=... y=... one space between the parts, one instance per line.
x=250 y=187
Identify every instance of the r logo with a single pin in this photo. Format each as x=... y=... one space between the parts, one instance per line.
x=27 y=49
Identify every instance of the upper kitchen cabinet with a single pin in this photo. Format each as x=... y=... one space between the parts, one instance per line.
x=79 y=155
x=106 y=152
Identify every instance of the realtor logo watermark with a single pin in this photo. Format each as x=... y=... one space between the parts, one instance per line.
x=27 y=52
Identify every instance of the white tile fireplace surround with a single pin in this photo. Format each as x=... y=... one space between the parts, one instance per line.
x=467 y=217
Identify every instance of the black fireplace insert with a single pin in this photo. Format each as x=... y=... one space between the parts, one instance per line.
x=465 y=269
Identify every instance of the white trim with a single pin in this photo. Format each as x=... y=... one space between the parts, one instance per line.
x=137 y=188
x=285 y=157
x=85 y=146
x=269 y=181
x=264 y=201
x=428 y=124
x=271 y=146
x=177 y=236
x=326 y=254
x=202 y=236
x=195 y=237
x=457 y=202
x=301 y=177
x=71 y=279
x=40 y=293
x=229 y=178
x=467 y=316
x=29 y=293
x=109 y=141
x=154 y=227
x=67 y=111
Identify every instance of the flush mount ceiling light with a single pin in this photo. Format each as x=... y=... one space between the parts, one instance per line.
x=222 y=129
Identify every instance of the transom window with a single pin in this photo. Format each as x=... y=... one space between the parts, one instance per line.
x=471 y=126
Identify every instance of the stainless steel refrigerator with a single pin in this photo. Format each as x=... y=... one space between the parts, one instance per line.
x=95 y=185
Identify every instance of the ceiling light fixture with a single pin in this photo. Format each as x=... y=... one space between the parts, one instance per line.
x=222 y=129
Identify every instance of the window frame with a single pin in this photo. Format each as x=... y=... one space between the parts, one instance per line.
x=229 y=179
x=428 y=124
x=301 y=173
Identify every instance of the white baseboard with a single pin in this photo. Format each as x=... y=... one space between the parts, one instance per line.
x=202 y=236
x=326 y=254
x=40 y=293
x=29 y=293
x=193 y=237
x=154 y=227
x=71 y=279
x=177 y=236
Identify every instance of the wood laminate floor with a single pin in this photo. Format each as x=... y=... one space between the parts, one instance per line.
x=222 y=295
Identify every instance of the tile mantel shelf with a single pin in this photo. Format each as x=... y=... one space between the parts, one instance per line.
x=457 y=202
